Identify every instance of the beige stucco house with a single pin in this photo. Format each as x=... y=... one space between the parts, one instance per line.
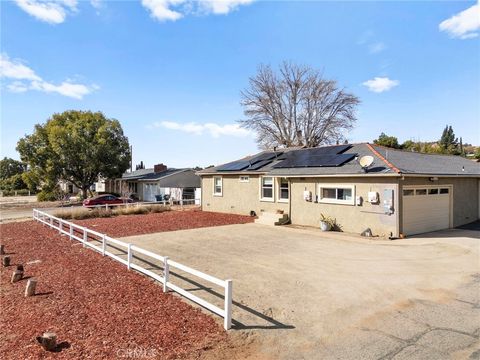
x=399 y=193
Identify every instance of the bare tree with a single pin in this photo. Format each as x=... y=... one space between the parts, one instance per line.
x=297 y=107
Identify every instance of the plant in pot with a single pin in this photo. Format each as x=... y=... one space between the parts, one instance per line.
x=326 y=223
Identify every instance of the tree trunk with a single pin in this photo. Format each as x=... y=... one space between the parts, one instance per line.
x=84 y=193
x=48 y=341
x=2 y=249
x=30 y=289
x=6 y=261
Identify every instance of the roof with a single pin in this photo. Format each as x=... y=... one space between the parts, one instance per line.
x=180 y=178
x=386 y=162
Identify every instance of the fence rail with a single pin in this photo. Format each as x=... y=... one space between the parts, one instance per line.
x=83 y=234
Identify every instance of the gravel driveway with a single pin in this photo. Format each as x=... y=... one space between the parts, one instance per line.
x=301 y=293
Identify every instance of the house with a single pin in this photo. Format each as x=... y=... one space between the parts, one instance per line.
x=153 y=184
x=401 y=192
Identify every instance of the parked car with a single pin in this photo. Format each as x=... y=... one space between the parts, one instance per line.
x=105 y=199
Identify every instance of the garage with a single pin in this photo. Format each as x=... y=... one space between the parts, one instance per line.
x=426 y=208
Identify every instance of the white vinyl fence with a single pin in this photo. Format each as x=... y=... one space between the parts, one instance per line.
x=83 y=235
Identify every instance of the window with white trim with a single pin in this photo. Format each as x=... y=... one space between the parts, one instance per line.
x=336 y=194
x=217 y=186
x=283 y=190
x=267 y=190
x=244 y=178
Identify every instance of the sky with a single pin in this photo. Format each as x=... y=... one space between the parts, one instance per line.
x=171 y=71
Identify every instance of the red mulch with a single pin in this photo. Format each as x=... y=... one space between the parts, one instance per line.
x=126 y=225
x=97 y=308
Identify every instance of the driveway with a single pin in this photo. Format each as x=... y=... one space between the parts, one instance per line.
x=304 y=294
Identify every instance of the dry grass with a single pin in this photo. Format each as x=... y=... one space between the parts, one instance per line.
x=84 y=213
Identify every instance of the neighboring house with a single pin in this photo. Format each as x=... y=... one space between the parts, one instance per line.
x=68 y=188
x=150 y=184
x=400 y=193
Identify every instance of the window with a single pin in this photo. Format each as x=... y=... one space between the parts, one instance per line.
x=283 y=192
x=266 y=191
x=217 y=186
x=337 y=194
x=244 y=179
x=444 y=191
x=433 y=191
x=421 y=192
x=408 y=192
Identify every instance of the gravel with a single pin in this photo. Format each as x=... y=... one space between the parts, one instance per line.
x=127 y=225
x=96 y=307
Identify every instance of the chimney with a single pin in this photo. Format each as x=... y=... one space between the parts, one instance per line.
x=159 y=168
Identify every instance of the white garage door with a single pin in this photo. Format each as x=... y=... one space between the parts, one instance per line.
x=426 y=209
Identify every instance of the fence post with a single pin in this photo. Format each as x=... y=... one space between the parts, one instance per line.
x=104 y=243
x=166 y=273
x=129 y=255
x=227 y=323
x=85 y=237
x=51 y=222
x=71 y=232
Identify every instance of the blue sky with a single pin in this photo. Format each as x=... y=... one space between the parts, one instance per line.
x=172 y=71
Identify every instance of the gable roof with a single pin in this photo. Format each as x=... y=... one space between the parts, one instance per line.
x=387 y=162
x=167 y=178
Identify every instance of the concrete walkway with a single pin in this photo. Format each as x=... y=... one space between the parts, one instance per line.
x=301 y=293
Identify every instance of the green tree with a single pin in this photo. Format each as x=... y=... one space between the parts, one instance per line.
x=448 y=141
x=477 y=153
x=10 y=167
x=76 y=146
x=388 y=141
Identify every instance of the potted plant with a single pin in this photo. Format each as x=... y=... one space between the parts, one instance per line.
x=326 y=223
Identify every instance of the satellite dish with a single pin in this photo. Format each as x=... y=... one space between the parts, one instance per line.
x=366 y=161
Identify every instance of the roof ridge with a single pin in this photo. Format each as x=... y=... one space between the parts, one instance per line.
x=389 y=164
x=415 y=152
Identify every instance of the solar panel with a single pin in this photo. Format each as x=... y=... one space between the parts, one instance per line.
x=265 y=156
x=234 y=166
x=316 y=157
x=260 y=164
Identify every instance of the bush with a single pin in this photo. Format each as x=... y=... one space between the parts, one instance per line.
x=46 y=196
x=79 y=213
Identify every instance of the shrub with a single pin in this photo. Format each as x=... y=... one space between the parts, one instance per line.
x=46 y=196
x=79 y=213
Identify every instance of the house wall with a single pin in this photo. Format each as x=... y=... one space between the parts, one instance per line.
x=465 y=196
x=350 y=218
x=238 y=197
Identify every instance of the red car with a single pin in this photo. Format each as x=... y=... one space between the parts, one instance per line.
x=105 y=199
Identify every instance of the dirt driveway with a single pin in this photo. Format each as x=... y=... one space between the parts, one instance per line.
x=305 y=294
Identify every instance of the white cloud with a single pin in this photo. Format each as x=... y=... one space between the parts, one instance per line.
x=464 y=25
x=50 y=11
x=97 y=4
x=14 y=69
x=376 y=48
x=380 y=84
x=222 y=6
x=368 y=40
x=172 y=10
x=160 y=9
x=215 y=130
x=17 y=87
